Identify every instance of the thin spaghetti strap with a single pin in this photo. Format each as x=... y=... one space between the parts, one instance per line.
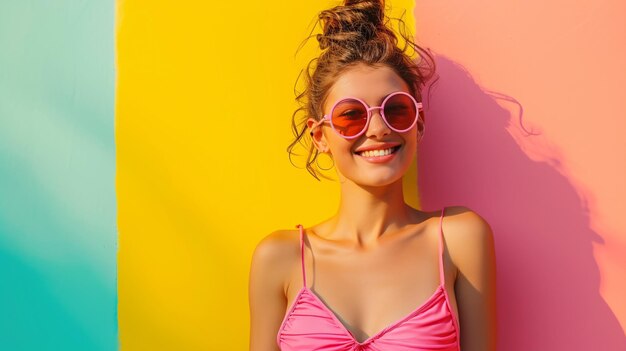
x=302 y=253
x=442 y=279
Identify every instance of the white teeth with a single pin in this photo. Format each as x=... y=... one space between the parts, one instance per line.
x=375 y=153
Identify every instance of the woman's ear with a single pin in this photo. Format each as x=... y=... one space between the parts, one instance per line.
x=315 y=130
x=421 y=127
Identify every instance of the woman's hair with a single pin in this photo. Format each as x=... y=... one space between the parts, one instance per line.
x=353 y=33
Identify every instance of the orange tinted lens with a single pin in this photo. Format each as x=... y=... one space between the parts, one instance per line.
x=400 y=111
x=349 y=117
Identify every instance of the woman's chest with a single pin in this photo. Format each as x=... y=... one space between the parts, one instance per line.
x=367 y=293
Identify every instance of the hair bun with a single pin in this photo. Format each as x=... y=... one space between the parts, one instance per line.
x=356 y=20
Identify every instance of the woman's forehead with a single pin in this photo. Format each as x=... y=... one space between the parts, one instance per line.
x=369 y=83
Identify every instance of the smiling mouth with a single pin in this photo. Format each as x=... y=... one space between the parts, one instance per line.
x=379 y=153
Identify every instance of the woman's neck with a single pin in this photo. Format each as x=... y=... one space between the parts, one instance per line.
x=366 y=213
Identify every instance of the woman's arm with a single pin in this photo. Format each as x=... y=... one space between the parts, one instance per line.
x=268 y=271
x=475 y=286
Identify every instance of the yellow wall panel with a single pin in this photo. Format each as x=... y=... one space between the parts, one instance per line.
x=203 y=111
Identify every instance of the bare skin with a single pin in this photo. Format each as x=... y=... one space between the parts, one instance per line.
x=376 y=259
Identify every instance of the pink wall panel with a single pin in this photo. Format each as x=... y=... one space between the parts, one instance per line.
x=555 y=196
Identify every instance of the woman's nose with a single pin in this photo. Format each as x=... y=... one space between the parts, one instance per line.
x=377 y=126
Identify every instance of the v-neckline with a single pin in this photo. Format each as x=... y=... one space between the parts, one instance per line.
x=411 y=314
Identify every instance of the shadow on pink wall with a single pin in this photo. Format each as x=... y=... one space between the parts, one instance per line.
x=548 y=280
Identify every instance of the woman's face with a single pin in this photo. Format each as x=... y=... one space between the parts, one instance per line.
x=372 y=85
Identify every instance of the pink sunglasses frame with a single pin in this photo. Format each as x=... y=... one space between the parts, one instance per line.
x=328 y=118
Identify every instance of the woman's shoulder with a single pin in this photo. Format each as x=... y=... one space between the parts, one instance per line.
x=464 y=216
x=277 y=248
x=272 y=262
x=468 y=235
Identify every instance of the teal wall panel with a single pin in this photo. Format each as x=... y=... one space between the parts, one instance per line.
x=58 y=237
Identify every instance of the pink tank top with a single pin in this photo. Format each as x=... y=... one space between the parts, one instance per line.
x=310 y=325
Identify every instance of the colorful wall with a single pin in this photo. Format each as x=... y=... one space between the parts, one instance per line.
x=142 y=157
x=526 y=128
x=204 y=100
x=58 y=232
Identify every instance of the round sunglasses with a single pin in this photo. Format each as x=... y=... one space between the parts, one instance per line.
x=350 y=117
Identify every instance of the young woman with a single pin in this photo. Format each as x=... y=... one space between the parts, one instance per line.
x=379 y=274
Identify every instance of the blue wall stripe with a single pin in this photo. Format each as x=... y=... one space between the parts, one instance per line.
x=58 y=238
